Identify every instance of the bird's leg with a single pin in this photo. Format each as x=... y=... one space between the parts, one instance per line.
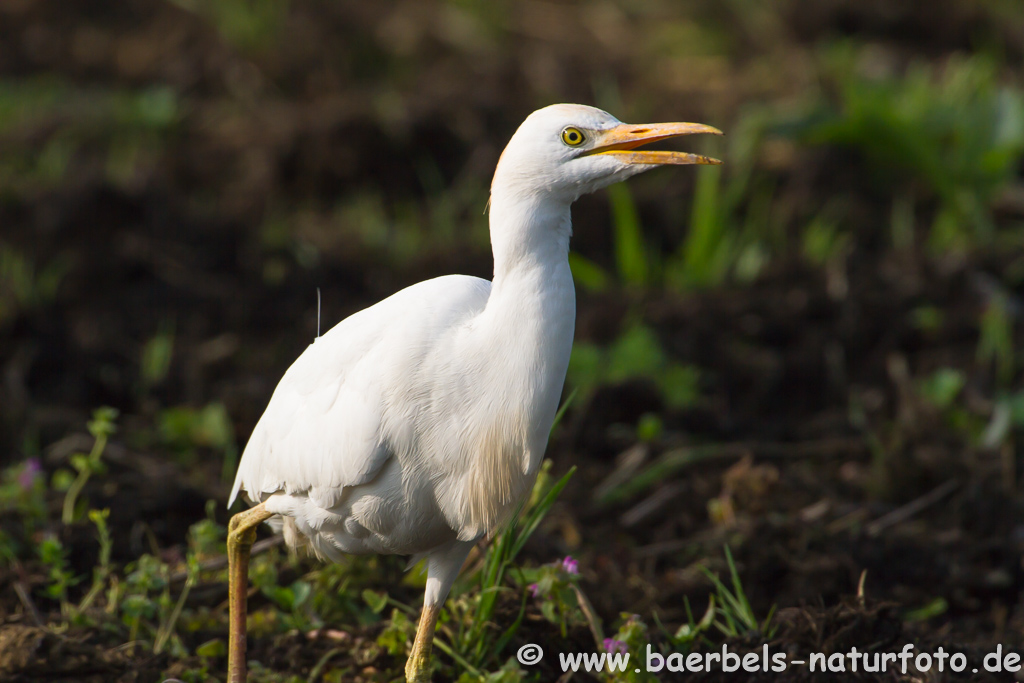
x=417 y=669
x=443 y=565
x=241 y=536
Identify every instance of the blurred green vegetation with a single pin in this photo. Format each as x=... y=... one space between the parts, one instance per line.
x=637 y=353
x=126 y=129
x=841 y=153
x=24 y=285
x=249 y=25
x=955 y=135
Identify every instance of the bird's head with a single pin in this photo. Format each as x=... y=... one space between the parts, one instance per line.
x=569 y=150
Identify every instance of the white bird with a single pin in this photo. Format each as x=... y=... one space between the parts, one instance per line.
x=417 y=425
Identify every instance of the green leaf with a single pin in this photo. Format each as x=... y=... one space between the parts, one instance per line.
x=300 y=593
x=637 y=353
x=680 y=384
x=376 y=601
x=649 y=427
x=156 y=357
x=212 y=648
x=588 y=274
x=102 y=423
x=943 y=386
x=936 y=607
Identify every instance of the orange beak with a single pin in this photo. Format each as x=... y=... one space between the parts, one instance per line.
x=624 y=139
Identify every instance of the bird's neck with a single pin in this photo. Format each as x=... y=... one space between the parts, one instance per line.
x=532 y=296
x=529 y=233
x=531 y=310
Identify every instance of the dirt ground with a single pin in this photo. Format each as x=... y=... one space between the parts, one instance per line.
x=849 y=502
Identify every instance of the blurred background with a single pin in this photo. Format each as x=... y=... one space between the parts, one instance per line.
x=811 y=356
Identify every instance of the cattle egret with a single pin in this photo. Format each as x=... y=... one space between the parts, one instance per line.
x=417 y=425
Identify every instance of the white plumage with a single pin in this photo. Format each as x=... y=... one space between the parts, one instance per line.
x=417 y=425
x=386 y=435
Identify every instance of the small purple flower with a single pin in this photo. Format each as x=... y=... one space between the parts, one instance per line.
x=29 y=472
x=534 y=590
x=570 y=566
x=612 y=645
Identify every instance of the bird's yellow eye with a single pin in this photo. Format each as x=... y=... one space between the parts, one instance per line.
x=573 y=136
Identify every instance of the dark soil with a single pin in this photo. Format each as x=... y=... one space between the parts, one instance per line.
x=827 y=470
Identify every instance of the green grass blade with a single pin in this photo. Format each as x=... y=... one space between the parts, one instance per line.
x=564 y=407
x=701 y=255
x=630 y=251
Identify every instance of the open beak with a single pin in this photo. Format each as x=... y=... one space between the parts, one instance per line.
x=623 y=140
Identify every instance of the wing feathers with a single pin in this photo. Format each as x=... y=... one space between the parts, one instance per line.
x=323 y=430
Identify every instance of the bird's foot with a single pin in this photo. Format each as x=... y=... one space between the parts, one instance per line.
x=418 y=669
x=241 y=534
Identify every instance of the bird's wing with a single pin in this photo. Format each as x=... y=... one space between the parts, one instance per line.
x=322 y=431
